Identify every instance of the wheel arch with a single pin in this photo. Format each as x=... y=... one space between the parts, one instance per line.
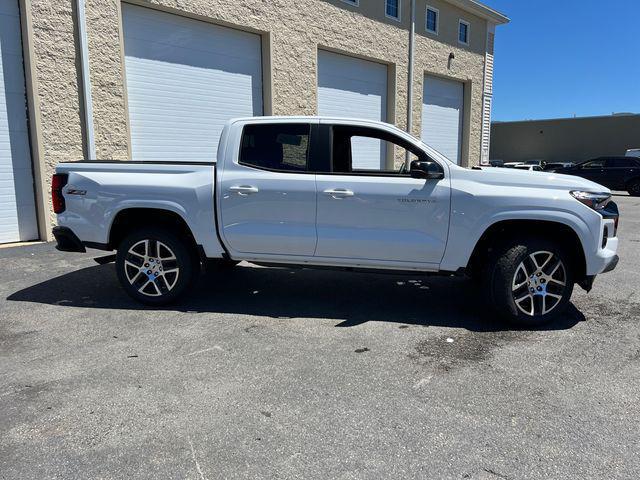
x=129 y=219
x=500 y=231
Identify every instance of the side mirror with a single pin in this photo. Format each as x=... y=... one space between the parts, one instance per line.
x=426 y=169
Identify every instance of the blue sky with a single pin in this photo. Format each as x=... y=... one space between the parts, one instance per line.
x=560 y=58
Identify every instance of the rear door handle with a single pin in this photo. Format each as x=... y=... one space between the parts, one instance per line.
x=339 y=192
x=244 y=189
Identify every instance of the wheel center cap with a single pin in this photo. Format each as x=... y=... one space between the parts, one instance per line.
x=152 y=268
x=537 y=285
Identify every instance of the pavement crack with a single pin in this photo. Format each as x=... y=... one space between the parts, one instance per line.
x=195 y=461
x=495 y=474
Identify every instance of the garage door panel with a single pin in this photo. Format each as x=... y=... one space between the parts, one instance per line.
x=11 y=34
x=356 y=88
x=442 y=112
x=185 y=79
x=17 y=202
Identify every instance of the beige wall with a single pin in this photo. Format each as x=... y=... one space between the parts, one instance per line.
x=292 y=33
x=565 y=139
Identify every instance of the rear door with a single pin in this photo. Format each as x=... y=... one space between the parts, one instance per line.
x=379 y=216
x=620 y=170
x=267 y=196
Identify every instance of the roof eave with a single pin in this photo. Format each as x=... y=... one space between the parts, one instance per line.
x=481 y=10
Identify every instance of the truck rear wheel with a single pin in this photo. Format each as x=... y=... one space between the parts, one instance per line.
x=529 y=282
x=154 y=266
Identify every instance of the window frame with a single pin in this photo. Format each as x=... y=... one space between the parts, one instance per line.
x=426 y=20
x=461 y=21
x=312 y=158
x=399 y=17
x=327 y=133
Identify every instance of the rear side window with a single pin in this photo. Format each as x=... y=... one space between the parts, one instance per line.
x=621 y=163
x=279 y=147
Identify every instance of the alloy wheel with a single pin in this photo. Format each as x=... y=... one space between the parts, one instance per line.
x=539 y=283
x=151 y=267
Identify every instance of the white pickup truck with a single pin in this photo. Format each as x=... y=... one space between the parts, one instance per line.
x=330 y=192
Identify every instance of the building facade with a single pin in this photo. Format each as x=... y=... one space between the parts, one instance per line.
x=157 y=79
x=565 y=139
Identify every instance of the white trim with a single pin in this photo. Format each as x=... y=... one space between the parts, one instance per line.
x=464 y=22
x=480 y=10
x=353 y=3
x=86 y=82
x=426 y=19
x=399 y=17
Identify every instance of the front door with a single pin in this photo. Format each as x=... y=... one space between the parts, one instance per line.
x=380 y=216
x=268 y=197
x=593 y=170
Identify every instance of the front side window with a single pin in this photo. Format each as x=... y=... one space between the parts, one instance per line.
x=432 y=20
x=392 y=8
x=599 y=163
x=370 y=151
x=463 y=32
x=279 y=147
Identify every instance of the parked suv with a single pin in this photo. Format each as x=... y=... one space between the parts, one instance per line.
x=616 y=173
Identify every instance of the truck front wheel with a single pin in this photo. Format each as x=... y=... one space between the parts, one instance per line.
x=529 y=282
x=154 y=266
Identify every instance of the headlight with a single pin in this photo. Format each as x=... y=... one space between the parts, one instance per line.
x=597 y=201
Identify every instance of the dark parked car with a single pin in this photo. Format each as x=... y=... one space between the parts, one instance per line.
x=616 y=173
x=554 y=166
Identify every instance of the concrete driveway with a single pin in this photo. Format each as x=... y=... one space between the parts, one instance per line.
x=277 y=373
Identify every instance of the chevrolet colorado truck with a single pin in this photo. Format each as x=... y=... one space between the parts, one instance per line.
x=334 y=192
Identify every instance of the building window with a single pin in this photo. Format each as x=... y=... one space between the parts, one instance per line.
x=392 y=9
x=351 y=2
x=433 y=17
x=463 y=32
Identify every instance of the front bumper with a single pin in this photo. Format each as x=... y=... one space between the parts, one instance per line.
x=612 y=264
x=67 y=241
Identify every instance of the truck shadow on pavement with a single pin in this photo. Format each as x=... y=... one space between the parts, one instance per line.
x=351 y=298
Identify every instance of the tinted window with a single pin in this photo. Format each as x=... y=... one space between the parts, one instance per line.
x=621 y=163
x=599 y=163
x=283 y=147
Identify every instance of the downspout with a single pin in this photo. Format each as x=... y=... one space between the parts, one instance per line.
x=86 y=82
x=412 y=35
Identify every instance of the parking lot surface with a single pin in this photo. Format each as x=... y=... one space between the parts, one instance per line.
x=279 y=373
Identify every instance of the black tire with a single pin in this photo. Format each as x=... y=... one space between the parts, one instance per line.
x=162 y=285
x=515 y=262
x=633 y=187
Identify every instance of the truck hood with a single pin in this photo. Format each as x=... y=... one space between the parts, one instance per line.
x=524 y=178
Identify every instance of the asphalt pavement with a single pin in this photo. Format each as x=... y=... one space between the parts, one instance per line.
x=279 y=373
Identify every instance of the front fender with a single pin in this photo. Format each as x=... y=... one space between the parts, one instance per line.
x=466 y=233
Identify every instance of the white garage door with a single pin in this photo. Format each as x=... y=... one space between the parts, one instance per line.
x=17 y=202
x=351 y=87
x=185 y=79
x=442 y=110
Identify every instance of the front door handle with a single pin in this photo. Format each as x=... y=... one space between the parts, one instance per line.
x=244 y=189
x=339 y=192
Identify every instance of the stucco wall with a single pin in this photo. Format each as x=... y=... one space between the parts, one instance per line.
x=292 y=33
